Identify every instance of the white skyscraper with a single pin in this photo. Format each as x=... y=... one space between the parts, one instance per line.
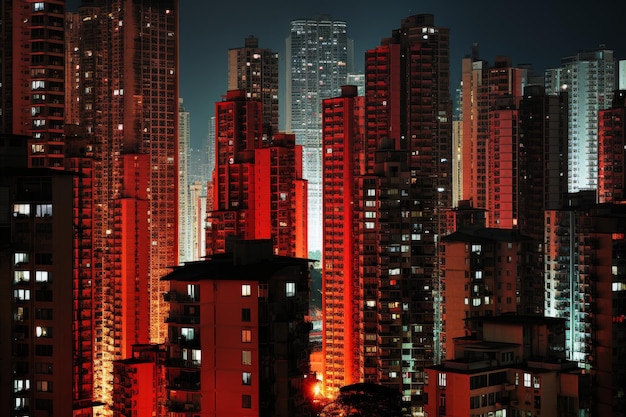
x=318 y=59
x=185 y=233
x=589 y=79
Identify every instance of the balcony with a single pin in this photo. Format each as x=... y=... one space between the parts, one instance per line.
x=177 y=406
x=183 y=319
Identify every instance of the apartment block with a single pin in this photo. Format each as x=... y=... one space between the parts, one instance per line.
x=237 y=320
x=514 y=367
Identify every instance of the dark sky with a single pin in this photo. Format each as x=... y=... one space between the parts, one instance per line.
x=529 y=31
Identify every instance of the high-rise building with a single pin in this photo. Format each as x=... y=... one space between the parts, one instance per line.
x=185 y=228
x=401 y=194
x=585 y=283
x=542 y=157
x=258 y=190
x=198 y=210
x=589 y=79
x=128 y=106
x=318 y=59
x=255 y=70
x=37 y=317
x=237 y=321
x=483 y=89
x=341 y=329
x=612 y=150
x=33 y=76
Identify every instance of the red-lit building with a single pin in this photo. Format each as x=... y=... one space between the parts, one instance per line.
x=342 y=347
x=79 y=159
x=612 y=151
x=515 y=366
x=139 y=382
x=401 y=193
x=502 y=166
x=258 y=190
x=482 y=86
x=125 y=96
x=238 y=340
x=33 y=77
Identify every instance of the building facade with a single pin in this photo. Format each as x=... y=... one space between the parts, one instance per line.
x=514 y=367
x=185 y=226
x=341 y=347
x=237 y=321
x=584 y=284
x=37 y=273
x=258 y=190
x=612 y=150
x=318 y=59
x=402 y=189
x=33 y=76
x=589 y=79
x=255 y=70
x=489 y=99
x=127 y=100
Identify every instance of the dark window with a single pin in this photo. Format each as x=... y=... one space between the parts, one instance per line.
x=245 y=314
x=43 y=350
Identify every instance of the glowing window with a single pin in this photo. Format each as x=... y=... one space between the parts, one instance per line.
x=245 y=290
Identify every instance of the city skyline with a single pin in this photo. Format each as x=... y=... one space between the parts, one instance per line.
x=456 y=268
x=203 y=63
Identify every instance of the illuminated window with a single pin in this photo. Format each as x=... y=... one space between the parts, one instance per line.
x=44 y=386
x=21 y=210
x=38 y=84
x=442 y=379
x=536 y=382
x=246 y=357
x=246 y=335
x=193 y=292
x=20 y=258
x=527 y=379
x=290 y=289
x=246 y=378
x=43 y=210
x=21 y=277
x=43 y=331
x=21 y=295
x=42 y=276
x=21 y=385
x=39 y=6
x=246 y=290
x=188 y=333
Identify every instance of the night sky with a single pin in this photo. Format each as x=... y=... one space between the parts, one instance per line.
x=529 y=31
